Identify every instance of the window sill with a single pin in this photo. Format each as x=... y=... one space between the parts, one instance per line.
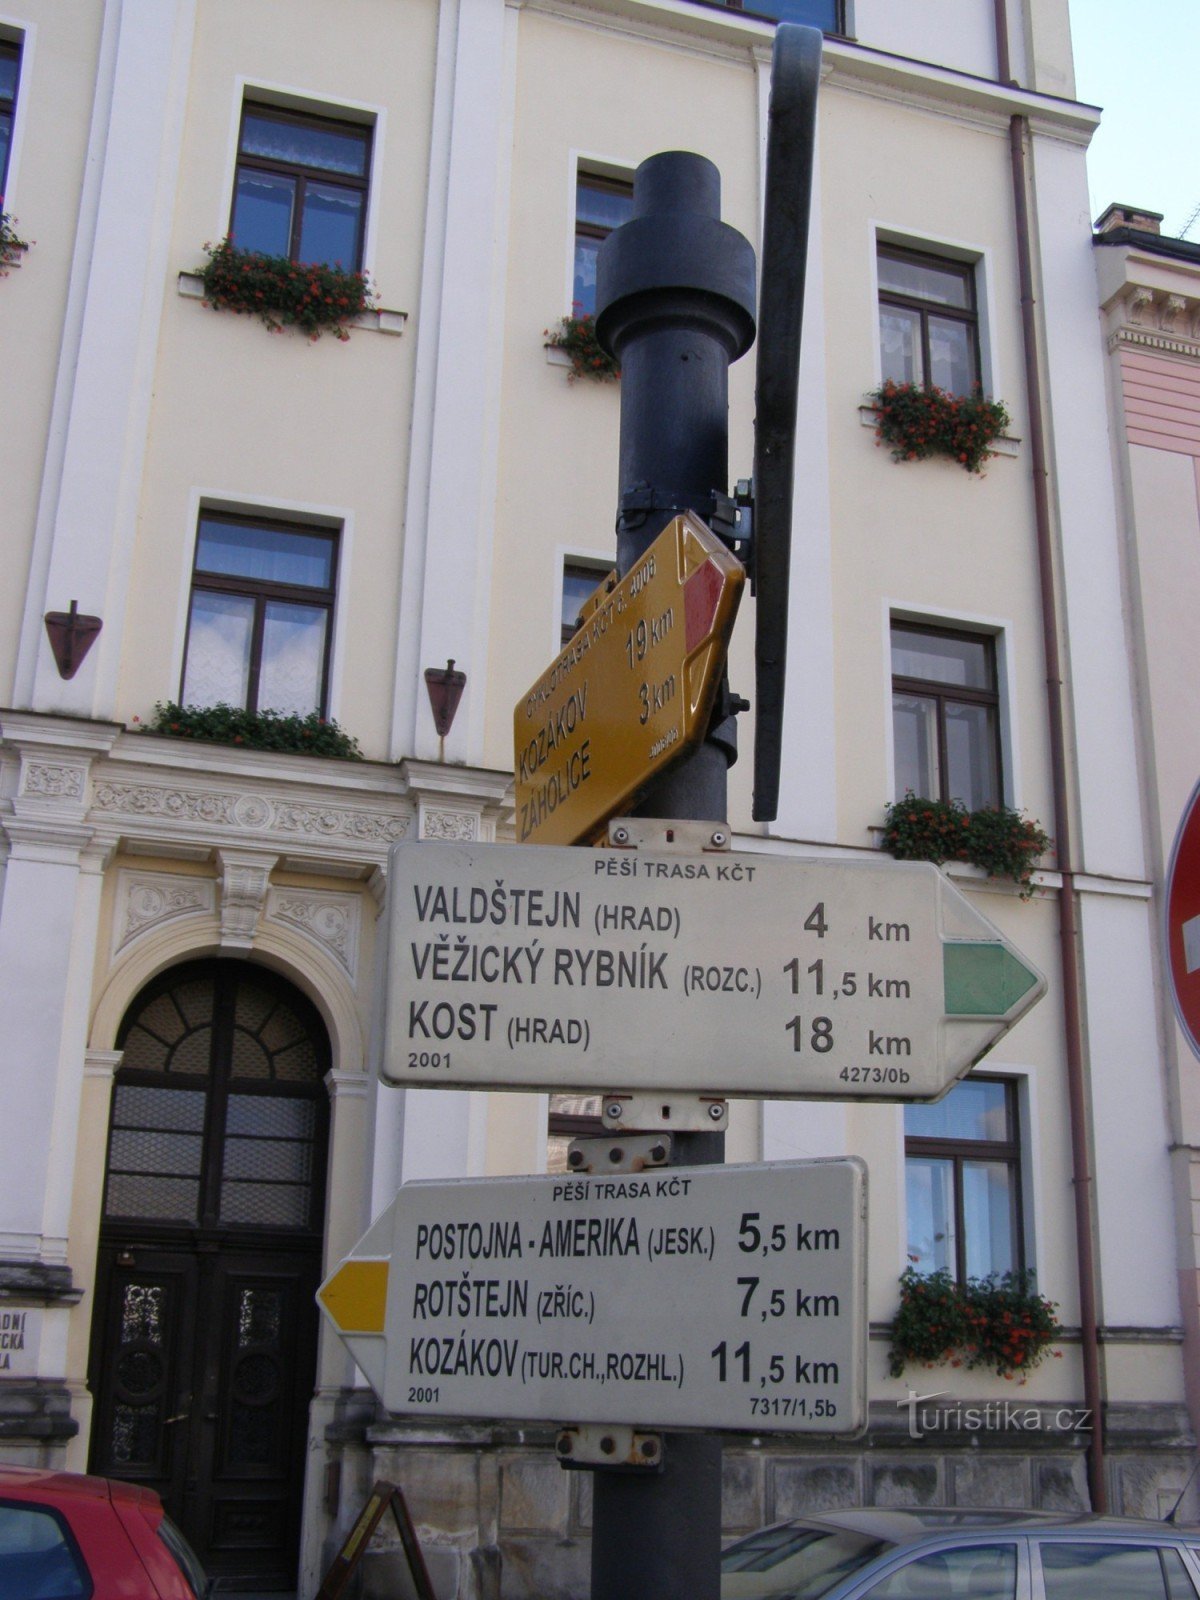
x=556 y=357
x=1005 y=445
x=191 y=287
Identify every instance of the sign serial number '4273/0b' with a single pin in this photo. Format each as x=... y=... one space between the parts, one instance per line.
x=725 y=974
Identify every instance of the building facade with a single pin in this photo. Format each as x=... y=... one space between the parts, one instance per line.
x=190 y=939
x=1148 y=295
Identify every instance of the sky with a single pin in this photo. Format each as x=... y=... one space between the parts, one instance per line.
x=1140 y=61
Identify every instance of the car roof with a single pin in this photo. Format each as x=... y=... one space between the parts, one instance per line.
x=902 y=1526
x=48 y=1482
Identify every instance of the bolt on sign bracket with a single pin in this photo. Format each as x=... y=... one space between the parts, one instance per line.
x=662 y=833
x=607 y=1156
x=675 y=1113
x=590 y=1445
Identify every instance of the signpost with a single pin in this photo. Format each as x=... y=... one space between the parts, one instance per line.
x=1183 y=921
x=699 y=1296
x=688 y=1297
x=631 y=692
x=708 y=974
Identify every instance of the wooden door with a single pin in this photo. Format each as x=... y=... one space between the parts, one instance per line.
x=204 y=1334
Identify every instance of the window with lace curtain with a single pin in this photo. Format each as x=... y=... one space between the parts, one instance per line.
x=301 y=186
x=928 y=320
x=260 y=621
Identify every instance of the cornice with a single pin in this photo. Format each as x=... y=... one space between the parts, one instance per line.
x=71 y=781
x=1154 y=318
x=47 y=731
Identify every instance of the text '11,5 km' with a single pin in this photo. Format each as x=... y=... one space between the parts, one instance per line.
x=723 y=973
x=729 y=1297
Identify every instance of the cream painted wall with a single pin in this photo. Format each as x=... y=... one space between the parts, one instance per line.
x=60 y=57
x=888 y=519
x=248 y=419
x=948 y=33
x=585 y=90
x=1163 y=490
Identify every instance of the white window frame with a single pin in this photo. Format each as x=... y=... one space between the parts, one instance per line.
x=14 y=30
x=589 y=165
x=572 y=556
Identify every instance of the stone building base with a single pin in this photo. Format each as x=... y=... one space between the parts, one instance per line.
x=500 y=1519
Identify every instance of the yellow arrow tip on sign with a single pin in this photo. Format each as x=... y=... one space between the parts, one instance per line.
x=356 y=1296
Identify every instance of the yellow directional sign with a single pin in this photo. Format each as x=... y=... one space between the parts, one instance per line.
x=631 y=692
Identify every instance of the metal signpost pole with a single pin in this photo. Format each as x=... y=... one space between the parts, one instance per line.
x=675 y=305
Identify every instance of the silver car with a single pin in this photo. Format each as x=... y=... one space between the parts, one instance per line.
x=927 y=1554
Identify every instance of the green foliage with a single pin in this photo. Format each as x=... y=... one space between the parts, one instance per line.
x=1000 y=1323
x=1004 y=843
x=253 y=730
x=11 y=243
x=283 y=293
x=577 y=336
x=919 y=421
x=998 y=839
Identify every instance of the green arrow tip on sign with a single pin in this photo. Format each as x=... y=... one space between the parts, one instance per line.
x=984 y=980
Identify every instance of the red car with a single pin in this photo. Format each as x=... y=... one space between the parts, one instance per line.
x=64 y=1536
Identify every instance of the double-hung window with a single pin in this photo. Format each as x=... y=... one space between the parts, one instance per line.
x=963 y=1181
x=928 y=320
x=301 y=187
x=601 y=204
x=945 y=715
x=261 y=615
x=10 y=71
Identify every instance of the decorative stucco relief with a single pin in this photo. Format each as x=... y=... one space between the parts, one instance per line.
x=461 y=827
x=53 y=781
x=332 y=920
x=244 y=879
x=259 y=813
x=146 y=900
x=1155 y=319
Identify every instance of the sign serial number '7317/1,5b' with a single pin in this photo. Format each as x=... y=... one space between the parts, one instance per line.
x=724 y=974
x=728 y=1297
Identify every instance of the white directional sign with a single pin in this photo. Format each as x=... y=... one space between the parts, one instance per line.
x=728 y=974
x=684 y=1297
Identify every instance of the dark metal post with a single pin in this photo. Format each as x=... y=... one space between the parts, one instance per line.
x=675 y=297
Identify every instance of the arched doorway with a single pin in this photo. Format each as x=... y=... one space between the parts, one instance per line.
x=203 y=1352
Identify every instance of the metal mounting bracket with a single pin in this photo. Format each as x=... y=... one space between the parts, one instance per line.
x=599 y=1445
x=662 y=833
x=634 y=1154
x=677 y=1113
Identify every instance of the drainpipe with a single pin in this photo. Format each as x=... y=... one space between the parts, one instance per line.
x=1068 y=925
